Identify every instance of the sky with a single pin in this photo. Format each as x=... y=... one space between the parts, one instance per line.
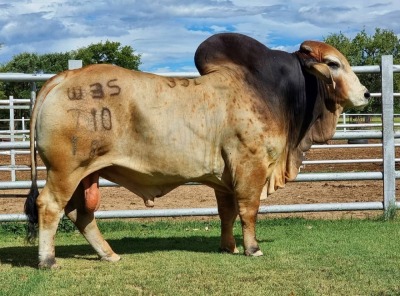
x=167 y=33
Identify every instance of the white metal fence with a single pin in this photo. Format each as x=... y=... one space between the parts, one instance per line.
x=385 y=131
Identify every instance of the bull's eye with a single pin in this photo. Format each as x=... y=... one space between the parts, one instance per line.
x=333 y=65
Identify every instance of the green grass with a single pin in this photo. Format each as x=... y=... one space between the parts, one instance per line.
x=301 y=257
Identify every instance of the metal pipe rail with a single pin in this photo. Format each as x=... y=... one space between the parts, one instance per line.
x=360 y=125
x=345 y=161
x=309 y=177
x=359 y=135
x=22 y=77
x=15 y=101
x=273 y=209
x=332 y=146
x=353 y=135
x=338 y=136
x=9 y=168
x=14 y=107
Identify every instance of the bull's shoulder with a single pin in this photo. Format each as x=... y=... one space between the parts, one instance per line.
x=265 y=70
x=227 y=48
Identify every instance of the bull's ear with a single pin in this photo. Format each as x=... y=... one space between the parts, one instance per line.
x=321 y=71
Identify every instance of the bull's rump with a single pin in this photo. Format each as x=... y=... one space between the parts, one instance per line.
x=151 y=129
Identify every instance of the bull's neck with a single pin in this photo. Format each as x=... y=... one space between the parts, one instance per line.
x=321 y=116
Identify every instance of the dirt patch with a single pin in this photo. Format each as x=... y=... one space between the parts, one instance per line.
x=198 y=196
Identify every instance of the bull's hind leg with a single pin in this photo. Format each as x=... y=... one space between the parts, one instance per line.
x=50 y=203
x=227 y=210
x=76 y=210
x=49 y=217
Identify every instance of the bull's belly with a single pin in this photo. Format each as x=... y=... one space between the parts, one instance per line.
x=151 y=184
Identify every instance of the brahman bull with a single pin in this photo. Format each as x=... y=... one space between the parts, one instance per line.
x=241 y=126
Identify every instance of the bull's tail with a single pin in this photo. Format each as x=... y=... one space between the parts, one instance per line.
x=31 y=209
x=31 y=212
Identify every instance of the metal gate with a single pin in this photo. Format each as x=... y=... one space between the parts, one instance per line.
x=388 y=176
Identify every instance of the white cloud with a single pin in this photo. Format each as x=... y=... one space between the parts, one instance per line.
x=167 y=32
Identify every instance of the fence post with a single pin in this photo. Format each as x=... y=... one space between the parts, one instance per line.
x=33 y=96
x=74 y=64
x=344 y=121
x=12 y=138
x=23 y=128
x=388 y=143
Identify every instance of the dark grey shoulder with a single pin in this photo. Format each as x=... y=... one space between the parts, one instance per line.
x=229 y=48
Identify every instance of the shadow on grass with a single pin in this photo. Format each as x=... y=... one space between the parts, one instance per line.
x=26 y=256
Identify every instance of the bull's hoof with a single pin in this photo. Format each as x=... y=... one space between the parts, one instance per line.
x=229 y=250
x=48 y=264
x=149 y=203
x=256 y=252
x=112 y=258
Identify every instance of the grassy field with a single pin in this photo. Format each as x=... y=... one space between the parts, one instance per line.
x=302 y=257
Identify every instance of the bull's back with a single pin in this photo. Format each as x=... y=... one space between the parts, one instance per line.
x=141 y=121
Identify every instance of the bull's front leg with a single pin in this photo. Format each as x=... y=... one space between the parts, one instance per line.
x=227 y=211
x=248 y=188
x=248 y=217
x=78 y=211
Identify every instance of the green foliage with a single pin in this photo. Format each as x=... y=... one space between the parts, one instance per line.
x=109 y=53
x=390 y=214
x=366 y=49
x=17 y=228
x=66 y=225
x=21 y=63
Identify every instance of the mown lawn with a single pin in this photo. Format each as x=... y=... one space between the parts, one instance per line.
x=301 y=257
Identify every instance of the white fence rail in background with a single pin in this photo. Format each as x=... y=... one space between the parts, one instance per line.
x=14 y=133
x=384 y=131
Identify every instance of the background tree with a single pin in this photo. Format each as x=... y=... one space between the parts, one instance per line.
x=108 y=52
x=366 y=49
x=32 y=63
x=22 y=63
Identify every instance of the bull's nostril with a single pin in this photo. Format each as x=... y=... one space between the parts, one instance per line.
x=367 y=95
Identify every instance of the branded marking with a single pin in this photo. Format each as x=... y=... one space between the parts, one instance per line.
x=74 y=141
x=106 y=119
x=116 y=89
x=92 y=120
x=96 y=89
x=93 y=148
x=184 y=82
x=75 y=93
x=171 y=82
